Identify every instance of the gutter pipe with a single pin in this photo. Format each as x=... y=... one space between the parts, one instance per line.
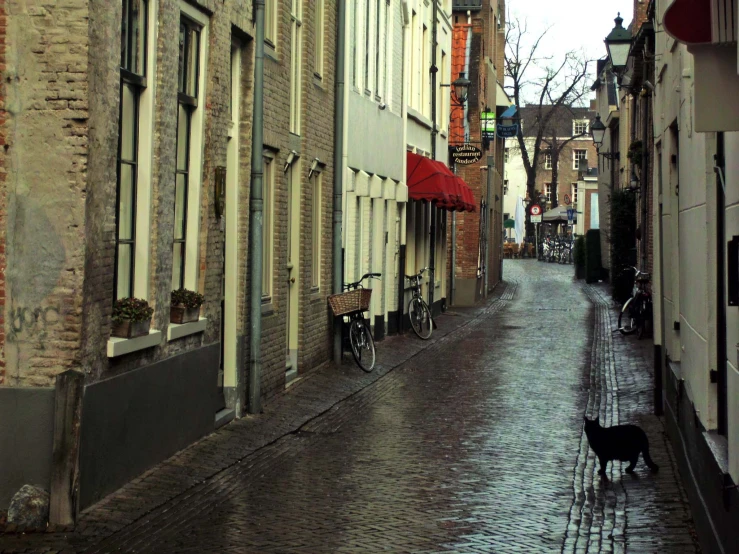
x=256 y=219
x=434 y=132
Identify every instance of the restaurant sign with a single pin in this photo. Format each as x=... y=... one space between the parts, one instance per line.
x=465 y=154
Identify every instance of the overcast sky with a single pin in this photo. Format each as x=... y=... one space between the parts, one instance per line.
x=575 y=24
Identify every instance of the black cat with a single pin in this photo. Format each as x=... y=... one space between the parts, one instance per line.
x=620 y=442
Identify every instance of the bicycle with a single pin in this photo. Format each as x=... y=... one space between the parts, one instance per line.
x=352 y=304
x=418 y=311
x=636 y=313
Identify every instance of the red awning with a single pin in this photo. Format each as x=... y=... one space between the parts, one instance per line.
x=689 y=21
x=433 y=181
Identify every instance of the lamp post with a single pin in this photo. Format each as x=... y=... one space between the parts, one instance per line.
x=461 y=86
x=618 y=43
x=598 y=132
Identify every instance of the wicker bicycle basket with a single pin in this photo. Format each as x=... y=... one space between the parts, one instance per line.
x=357 y=300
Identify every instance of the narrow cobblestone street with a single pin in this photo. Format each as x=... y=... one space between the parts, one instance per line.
x=471 y=442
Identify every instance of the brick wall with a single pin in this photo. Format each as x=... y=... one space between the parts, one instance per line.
x=3 y=176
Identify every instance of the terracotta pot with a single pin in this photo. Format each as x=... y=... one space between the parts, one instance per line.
x=181 y=314
x=128 y=330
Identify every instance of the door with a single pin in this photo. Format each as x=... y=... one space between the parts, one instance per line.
x=292 y=271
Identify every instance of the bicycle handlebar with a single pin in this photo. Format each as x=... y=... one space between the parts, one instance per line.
x=349 y=286
x=420 y=272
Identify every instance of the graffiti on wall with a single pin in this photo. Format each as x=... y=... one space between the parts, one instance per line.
x=28 y=323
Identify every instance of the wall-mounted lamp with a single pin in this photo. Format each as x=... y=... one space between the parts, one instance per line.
x=290 y=159
x=618 y=43
x=314 y=166
x=382 y=105
x=460 y=88
x=598 y=132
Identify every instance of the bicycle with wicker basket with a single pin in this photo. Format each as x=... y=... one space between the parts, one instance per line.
x=350 y=306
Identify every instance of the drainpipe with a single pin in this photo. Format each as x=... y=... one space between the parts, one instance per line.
x=338 y=266
x=488 y=231
x=644 y=178
x=256 y=219
x=434 y=133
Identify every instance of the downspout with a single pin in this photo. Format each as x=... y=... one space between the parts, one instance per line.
x=644 y=177
x=404 y=208
x=488 y=231
x=256 y=206
x=434 y=132
x=338 y=266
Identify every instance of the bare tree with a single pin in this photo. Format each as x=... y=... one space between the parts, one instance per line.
x=555 y=86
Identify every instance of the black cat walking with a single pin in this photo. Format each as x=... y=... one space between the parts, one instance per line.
x=620 y=442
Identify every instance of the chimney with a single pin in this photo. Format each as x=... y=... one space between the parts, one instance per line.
x=593 y=104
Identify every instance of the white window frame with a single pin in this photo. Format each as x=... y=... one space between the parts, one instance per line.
x=577 y=122
x=270 y=22
x=296 y=64
x=197 y=145
x=548 y=191
x=547 y=160
x=320 y=32
x=575 y=157
x=316 y=227
x=574 y=193
x=145 y=156
x=506 y=155
x=268 y=211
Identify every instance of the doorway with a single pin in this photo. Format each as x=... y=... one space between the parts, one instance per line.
x=292 y=271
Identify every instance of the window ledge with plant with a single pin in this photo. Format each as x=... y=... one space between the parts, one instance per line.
x=184 y=314
x=131 y=330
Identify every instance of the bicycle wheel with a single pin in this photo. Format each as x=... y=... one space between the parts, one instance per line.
x=626 y=321
x=363 y=345
x=420 y=316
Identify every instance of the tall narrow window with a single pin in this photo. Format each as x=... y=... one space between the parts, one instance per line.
x=355 y=42
x=424 y=74
x=320 y=31
x=378 y=49
x=580 y=159
x=413 y=89
x=548 y=191
x=316 y=230
x=386 y=53
x=367 y=20
x=268 y=187
x=133 y=82
x=270 y=21
x=441 y=97
x=296 y=65
x=187 y=104
x=574 y=193
x=548 y=160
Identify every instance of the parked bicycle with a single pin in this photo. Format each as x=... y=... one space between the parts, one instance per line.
x=418 y=311
x=350 y=306
x=636 y=313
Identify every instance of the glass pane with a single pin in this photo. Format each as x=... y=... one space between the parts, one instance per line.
x=183 y=136
x=181 y=62
x=128 y=122
x=138 y=30
x=123 y=290
x=124 y=34
x=179 y=205
x=125 y=202
x=192 y=63
x=177 y=257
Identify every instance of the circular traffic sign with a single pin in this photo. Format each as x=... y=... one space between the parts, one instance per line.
x=536 y=209
x=568 y=201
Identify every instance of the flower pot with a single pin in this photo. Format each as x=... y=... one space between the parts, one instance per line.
x=181 y=314
x=128 y=330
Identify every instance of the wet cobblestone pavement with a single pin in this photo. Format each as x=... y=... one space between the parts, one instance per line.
x=470 y=442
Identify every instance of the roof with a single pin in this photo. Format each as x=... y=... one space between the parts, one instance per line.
x=561 y=121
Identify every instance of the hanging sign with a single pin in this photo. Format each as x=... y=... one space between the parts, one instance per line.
x=487 y=125
x=465 y=154
x=508 y=131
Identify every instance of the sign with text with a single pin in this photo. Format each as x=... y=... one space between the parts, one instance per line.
x=487 y=125
x=535 y=219
x=465 y=154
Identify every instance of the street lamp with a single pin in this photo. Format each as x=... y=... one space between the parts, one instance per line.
x=618 y=43
x=461 y=86
x=598 y=132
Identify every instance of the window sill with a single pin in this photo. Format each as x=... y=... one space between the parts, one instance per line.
x=119 y=346
x=179 y=330
x=268 y=308
x=315 y=296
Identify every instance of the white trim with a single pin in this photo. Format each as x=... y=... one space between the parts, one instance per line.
x=142 y=247
x=120 y=346
x=197 y=147
x=179 y=330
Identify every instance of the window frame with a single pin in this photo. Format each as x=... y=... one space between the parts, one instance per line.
x=190 y=268
x=574 y=194
x=296 y=64
x=548 y=191
x=271 y=8
x=577 y=122
x=548 y=160
x=143 y=129
x=320 y=31
x=316 y=227
x=575 y=157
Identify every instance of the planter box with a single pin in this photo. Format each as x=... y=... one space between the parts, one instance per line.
x=180 y=314
x=127 y=330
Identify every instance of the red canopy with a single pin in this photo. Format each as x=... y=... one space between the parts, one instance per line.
x=433 y=181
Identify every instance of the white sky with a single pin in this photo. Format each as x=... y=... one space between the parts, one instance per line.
x=575 y=24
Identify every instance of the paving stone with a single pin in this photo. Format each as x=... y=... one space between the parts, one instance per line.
x=469 y=442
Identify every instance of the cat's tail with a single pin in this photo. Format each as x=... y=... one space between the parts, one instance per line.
x=648 y=460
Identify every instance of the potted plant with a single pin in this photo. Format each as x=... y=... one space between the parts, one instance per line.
x=185 y=306
x=131 y=317
x=635 y=152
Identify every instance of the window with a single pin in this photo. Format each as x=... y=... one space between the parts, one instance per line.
x=190 y=79
x=414 y=88
x=270 y=21
x=423 y=74
x=268 y=187
x=506 y=155
x=505 y=186
x=367 y=19
x=134 y=30
x=443 y=98
x=296 y=65
x=547 y=160
x=320 y=32
x=579 y=127
x=378 y=50
x=580 y=159
x=355 y=42
x=574 y=193
x=548 y=191
x=316 y=229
